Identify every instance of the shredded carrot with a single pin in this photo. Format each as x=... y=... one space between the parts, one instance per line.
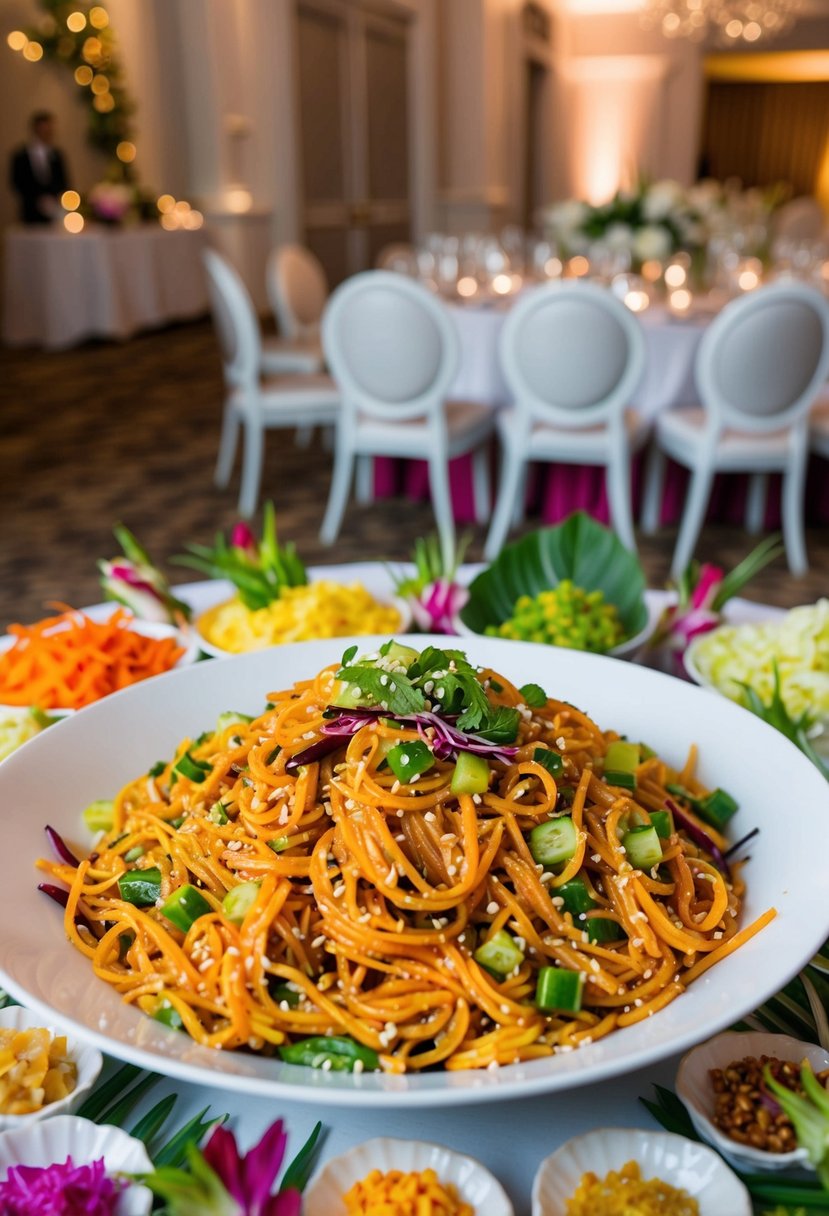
x=419 y=1193
x=68 y=661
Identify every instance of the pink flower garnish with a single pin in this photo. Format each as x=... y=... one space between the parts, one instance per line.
x=242 y=538
x=249 y=1178
x=59 y=1190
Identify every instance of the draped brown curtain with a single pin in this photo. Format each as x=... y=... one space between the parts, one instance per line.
x=766 y=132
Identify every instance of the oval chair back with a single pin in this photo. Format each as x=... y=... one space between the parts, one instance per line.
x=234 y=316
x=297 y=290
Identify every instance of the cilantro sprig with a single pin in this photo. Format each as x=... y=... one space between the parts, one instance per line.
x=441 y=680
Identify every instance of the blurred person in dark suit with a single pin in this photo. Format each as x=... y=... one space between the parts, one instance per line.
x=38 y=172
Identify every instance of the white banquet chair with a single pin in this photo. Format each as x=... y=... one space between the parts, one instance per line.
x=393 y=351
x=297 y=292
x=572 y=356
x=253 y=402
x=759 y=368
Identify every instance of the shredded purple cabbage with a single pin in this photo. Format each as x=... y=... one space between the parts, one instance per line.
x=447 y=742
x=61 y=847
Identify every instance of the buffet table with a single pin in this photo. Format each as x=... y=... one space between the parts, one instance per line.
x=60 y=289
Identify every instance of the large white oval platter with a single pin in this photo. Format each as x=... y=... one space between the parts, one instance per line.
x=55 y=775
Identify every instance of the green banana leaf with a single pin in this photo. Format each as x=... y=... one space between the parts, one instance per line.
x=580 y=549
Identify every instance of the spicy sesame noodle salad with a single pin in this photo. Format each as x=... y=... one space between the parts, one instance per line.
x=403 y=863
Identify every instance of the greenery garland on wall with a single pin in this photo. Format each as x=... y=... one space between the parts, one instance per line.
x=79 y=36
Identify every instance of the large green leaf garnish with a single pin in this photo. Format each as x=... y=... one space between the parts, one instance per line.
x=580 y=549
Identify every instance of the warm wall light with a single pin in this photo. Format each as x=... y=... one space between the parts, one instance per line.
x=238 y=200
x=637 y=301
x=192 y=220
x=680 y=300
x=578 y=266
x=502 y=284
x=73 y=222
x=70 y=200
x=675 y=275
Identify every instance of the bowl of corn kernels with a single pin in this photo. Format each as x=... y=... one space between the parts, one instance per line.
x=42 y=1072
x=724 y=1086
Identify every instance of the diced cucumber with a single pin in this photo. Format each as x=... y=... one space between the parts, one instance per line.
x=98 y=816
x=471 y=775
x=188 y=766
x=622 y=757
x=239 y=901
x=602 y=929
x=663 y=822
x=217 y=814
x=185 y=906
x=554 y=841
x=229 y=718
x=577 y=898
x=717 y=808
x=578 y=902
x=559 y=989
x=499 y=954
x=643 y=847
x=409 y=760
x=349 y=696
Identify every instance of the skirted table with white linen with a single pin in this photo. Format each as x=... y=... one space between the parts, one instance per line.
x=105 y=282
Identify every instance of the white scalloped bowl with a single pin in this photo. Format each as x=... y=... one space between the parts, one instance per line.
x=682 y=1163
x=53 y=1140
x=217 y=652
x=186 y=638
x=87 y=1060
x=476 y=1185
x=696 y=1092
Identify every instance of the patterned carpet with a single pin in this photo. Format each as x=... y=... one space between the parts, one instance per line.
x=129 y=432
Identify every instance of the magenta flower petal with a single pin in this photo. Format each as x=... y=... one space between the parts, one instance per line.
x=222 y=1155
x=242 y=538
x=261 y=1166
x=62 y=1189
x=286 y=1203
x=708 y=585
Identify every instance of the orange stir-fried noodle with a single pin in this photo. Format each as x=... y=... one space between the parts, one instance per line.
x=374 y=894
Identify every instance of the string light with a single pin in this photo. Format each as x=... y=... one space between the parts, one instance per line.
x=675 y=275
x=17 y=40
x=731 y=21
x=100 y=85
x=33 y=51
x=104 y=103
x=92 y=49
x=73 y=222
x=467 y=286
x=126 y=152
x=502 y=284
x=578 y=266
x=98 y=17
x=83 y=75
x=70 y=200
x=165 y=203
x=76 y=22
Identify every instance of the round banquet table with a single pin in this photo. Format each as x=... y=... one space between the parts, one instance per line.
x=510 y=1138
x=104 y=282
x=554 y=490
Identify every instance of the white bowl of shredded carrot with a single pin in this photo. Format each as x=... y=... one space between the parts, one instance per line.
x=70 y=660
x=616 y=1171
x=404 y=1177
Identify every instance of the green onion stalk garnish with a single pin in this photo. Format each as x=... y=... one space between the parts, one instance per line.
x=259 y=570
x=136 y=582
x=432 y=593
x=702 y=593
x=775 y=713
x=809 y=1112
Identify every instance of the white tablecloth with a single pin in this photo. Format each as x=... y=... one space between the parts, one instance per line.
x=668 y=379
x=61 y=289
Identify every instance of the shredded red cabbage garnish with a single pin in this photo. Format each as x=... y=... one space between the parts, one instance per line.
x=698 y=835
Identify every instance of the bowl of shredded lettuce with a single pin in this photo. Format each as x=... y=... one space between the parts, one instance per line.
x=732 y=658
x=19 y=724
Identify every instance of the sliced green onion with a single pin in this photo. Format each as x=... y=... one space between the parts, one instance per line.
x=271 y=756
x=663 y=822
x=643 y=847
x=340 y=1054
x=409 y=760
x=499 y=954
x=551 y=760
x=624 y=781
x=239 y=901
x=217 y=814
x=229 y=718
x=715 y=808
x=134 y=853
x=283 y=992
x=157 y=769
x=168 y=1015
x=140 y=887
x=554 y=841
x=194 y=770
x=185 y=906
x=280 y=843
x=98 y=816
x=559 y=989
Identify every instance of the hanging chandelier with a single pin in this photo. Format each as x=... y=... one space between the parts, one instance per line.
x=730 y=22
